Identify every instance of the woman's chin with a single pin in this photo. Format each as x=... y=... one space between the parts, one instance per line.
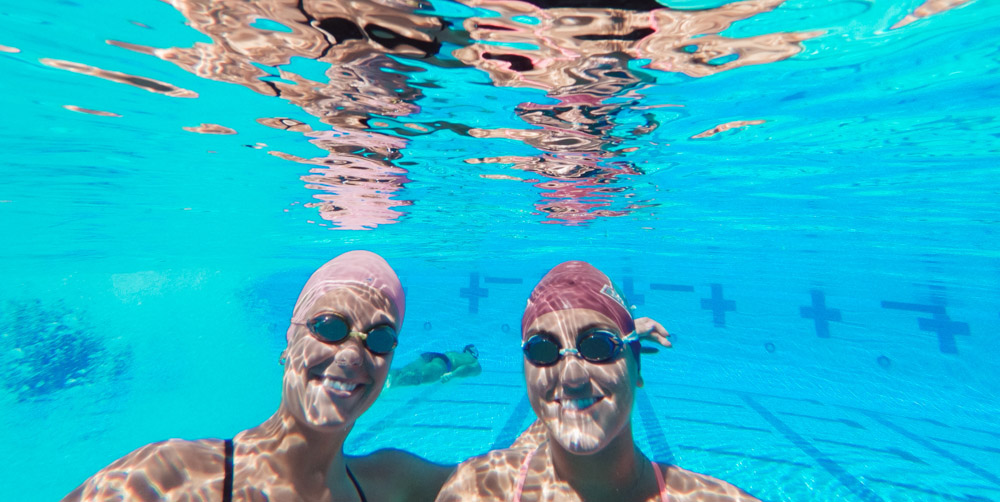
x=578 y=441
x=324 y=415
x=327 y=421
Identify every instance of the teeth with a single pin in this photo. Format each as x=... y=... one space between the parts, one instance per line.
x=579 y=404
x=338 y=385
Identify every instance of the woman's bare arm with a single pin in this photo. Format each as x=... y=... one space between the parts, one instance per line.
x=155 y=472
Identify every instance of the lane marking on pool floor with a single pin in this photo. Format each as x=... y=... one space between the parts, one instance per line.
x=829 y=465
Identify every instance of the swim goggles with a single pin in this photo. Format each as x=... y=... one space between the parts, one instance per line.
x=596 y=346
x=333 y=328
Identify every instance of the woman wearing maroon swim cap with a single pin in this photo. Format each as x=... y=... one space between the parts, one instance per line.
x=581 y=368
x=340 y=344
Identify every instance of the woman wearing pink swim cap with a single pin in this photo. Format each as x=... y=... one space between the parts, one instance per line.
x=340 y=344
x=581 y=368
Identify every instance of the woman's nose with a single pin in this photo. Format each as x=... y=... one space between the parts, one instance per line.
x=573 y=372
x=349 y=353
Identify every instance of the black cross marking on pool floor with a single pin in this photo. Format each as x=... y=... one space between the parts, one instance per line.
x=718 y=305
x=939 y=324
x=672 y=287
x=473 y=292
x=820 y=315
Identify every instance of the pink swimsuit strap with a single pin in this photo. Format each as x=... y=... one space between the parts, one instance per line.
x=522 y=474
x=664 y=496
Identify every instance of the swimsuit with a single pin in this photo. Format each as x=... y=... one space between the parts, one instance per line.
x=430 y=356
x=356 y=485
x=227 y=476
x=525 y=465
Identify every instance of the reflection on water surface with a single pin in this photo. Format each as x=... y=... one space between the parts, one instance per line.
x=592 y=62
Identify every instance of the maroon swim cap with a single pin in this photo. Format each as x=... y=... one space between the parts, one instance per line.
x=577 y=284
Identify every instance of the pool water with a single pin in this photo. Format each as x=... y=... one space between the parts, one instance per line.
x=803 y=192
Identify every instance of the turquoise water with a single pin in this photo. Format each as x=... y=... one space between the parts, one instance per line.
x=829 y=268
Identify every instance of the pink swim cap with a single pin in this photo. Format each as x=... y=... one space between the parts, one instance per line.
x=577 y=284
x=353 y=267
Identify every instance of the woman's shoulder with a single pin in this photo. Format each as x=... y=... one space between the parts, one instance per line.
x=151 y=471
x=681 y=480
x=182 y=456
x=414 y=477
x=487 y=477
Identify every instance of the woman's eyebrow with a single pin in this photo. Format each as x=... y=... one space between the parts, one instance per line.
x=382 y=320
x=597 y=325
x=543 y=332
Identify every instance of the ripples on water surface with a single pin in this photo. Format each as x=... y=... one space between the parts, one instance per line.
x=797 y=158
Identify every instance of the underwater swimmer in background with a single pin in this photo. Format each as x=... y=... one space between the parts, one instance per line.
x=437 y=366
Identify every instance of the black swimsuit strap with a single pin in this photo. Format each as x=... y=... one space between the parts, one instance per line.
x=356 y=485
x=227 y=476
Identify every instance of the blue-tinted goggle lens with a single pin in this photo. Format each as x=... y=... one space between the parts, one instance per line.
x=329 y=327
x=596 y=346
x=599 y=346
x=541 y=350
x=381 y=340
x=332 y=328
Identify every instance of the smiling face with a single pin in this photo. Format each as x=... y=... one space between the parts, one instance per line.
x=329 y=385
x=584 y=405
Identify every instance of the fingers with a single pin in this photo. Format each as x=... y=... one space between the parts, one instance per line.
x=648 y=329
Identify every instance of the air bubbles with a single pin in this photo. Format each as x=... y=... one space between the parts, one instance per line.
x=769 y=347
x=427 y=326
x=505 y=328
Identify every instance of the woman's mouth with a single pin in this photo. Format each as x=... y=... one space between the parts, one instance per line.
x=337 y=386
x=578 y=404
